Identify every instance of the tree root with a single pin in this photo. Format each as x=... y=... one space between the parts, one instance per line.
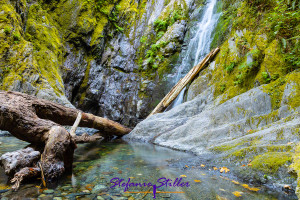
x=40 y=123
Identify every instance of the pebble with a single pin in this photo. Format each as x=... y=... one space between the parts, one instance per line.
x=66 y=188
x=57 y=198
x=119 y=198
x=73 y=195
x=100 y=198
x=126 y=194
x=86 y=191
x=48 y=191
x=166 y=196
x=99 y=188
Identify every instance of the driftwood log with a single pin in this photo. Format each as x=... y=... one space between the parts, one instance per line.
x=175 y=91
x=40 y=122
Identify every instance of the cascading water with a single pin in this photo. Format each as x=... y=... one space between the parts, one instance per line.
x=199 y=45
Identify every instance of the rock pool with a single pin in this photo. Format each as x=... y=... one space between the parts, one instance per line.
x=96 y=164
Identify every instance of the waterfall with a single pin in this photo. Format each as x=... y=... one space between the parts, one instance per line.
x=199 y=45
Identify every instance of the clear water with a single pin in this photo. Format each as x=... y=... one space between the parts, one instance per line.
x=96 y=164
x=199 y=45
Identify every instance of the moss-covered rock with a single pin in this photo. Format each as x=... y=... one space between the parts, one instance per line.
x=271 y=162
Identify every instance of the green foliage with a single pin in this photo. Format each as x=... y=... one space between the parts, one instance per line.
x=143 y=39
x=16 y=37
x=160 y=25
x=260 y=4
x=7 y=30
x=149 y=53
x=160 y=34
x=223 y=88
x=155 y=66
x=266 y=77
x=240 y=78
x=230 y=67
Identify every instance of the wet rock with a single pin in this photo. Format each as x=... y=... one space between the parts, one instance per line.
x=48 y=191
x=203 y=124
x=74 y=195
x=119 y=198
x=99 y=188
x=175 y=33
x=14 y=161
x=4 y=133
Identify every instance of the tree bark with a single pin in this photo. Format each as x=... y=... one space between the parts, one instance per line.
x=175 y=91
x=40 y=122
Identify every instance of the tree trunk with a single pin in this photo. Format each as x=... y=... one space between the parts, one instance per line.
x=40 y=123
x=175 y=91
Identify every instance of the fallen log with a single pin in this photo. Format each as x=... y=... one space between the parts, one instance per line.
x=175 y=91
x=40 y=122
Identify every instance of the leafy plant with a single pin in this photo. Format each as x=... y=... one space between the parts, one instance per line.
x=143 y=39
x=239 y=79
x=16 y=37
x=7 y=30
x=160 y=25
x=155 y=66
x=160 y=34
x=223 y=87
x=230 y=67
x=266 y=77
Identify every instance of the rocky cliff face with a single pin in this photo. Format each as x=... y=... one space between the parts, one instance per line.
x=107 y=57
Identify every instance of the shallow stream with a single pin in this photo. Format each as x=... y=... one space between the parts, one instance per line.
x=95 y=165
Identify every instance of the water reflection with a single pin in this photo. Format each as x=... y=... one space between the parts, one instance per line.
x=96 y=164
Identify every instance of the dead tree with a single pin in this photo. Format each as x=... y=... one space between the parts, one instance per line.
x=40 y=122
x=175 y=91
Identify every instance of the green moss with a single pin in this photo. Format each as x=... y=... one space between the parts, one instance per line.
x=275 y=91
x=47 y=45
x=294 y=99
x=98 y=32
x=268 y=118
x=84 y=84
x=270 y=162
x=222 y=29
x=7 y=30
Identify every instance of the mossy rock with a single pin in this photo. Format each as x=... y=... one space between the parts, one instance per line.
x=270 y=162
